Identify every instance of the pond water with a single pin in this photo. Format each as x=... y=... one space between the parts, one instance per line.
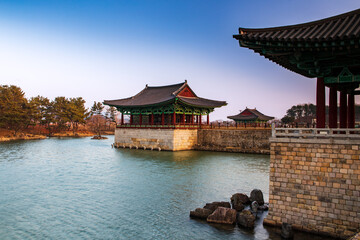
x=84 y=189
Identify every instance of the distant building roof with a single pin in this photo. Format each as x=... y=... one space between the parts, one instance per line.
x=250 y=115
x=165 y=94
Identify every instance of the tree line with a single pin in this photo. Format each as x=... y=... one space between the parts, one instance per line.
x=17 y=112
x=306 y=113
x=301 y=113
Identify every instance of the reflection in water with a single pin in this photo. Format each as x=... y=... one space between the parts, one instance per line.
x=84 y=189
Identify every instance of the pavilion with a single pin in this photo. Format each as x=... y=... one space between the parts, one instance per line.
x=163 y=118
x=326 y=49
x=251 y=116
x=313 y=185
x=172 y=106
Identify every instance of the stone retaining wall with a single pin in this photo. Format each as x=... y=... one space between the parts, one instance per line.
x=158 y=139
x=315 y=185
x=245 y=141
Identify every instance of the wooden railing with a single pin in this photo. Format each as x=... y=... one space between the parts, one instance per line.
x=194 y=126
x=349 y=133
x=186 y=126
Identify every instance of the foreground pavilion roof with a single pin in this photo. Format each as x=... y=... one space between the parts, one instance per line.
x=162 y=95
x=250 y=115
x=325 y=48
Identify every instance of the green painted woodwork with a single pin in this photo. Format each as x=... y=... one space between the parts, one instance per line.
x=345 y=76
x=250 y=121
x=178 y=108
x=312 y=59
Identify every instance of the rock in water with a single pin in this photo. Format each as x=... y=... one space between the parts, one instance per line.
x=254 y=207
x=264 y=207
x=246 y=219
x=286 y=231
x=257 y=195
x=223 y=215
x=214 y=205
x=238 y=200
x=201 y=213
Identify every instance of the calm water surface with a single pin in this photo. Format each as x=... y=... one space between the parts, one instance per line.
x=84 y=189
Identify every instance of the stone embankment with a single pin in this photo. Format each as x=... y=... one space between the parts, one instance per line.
x=226 y=213
x=315 y=185
x=239 y=140
x=228 y=140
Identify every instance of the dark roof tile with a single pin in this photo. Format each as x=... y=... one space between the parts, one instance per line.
x=161 y=95
x=342 y=26
x=255 y=115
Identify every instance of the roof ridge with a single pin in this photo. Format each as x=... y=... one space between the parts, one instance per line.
x=300 y=25
x=171 y=85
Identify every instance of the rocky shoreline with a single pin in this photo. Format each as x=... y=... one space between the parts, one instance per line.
x=242 y=211
x=8 y=136
x=21 y=137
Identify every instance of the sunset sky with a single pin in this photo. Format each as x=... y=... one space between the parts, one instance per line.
x=111 y=49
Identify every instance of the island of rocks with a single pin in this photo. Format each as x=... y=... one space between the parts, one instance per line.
x=226 y=213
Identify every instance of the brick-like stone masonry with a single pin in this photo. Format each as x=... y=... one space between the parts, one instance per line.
x=315 y=186
x=246 y=141
x=163 y=139
x=239 y=140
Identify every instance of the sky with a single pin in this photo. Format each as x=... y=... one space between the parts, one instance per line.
x=104 y=50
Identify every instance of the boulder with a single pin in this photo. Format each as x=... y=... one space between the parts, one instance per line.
x=214 y=205
x=264 y=207
x=223 y=215
x=257 y=195
x=246 y=219
x=286 y=231
x=201 y=213
x=254 y=207
x=238 y=200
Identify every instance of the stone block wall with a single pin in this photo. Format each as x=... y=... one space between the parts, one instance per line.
x=158 y=139
x=245 y=141
x=315 y=185
x=185 y=139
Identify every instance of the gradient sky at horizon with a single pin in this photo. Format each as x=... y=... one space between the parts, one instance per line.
x=111 y=49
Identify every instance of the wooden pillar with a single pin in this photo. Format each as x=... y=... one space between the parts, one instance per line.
x=192 y=119
x=140 y=119
x=122 y=119
x=131 y=119
x=333 y=108
x=174 y=118
x=351 y=111
x=343 y=109
x=152 y=119
x=200 y=119
x=320 y=103
x=183 y=118
x=162 y=119
x=207 y=119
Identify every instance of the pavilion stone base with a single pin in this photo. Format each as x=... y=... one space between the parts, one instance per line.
x=315 y=185
x=156 y=139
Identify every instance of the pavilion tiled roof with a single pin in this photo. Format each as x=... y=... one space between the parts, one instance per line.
x=253 y=116
x=343 y=26
x=313 y=49
x=161 y=95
